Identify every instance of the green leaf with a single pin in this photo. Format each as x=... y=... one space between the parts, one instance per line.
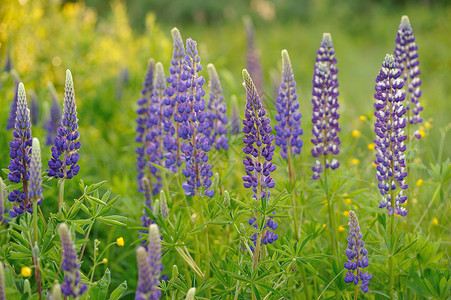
x=94 y=187
x=117 y=293
x=113 y=220
x=96 y=200
x=100 y=288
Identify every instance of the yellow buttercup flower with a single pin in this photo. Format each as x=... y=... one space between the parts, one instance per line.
x=341 y=228
x=25 y=272
x=427 y=125
x=374 y=165
x=371 y=146
x=419 y=182
x=362 y=118
x=105 y=260
x=422 y=133
x=355 y=133
x=435 y=221
x=324 y=225
x=355 y=161
x=120 y=242
x=348 y=200
x=346 y=213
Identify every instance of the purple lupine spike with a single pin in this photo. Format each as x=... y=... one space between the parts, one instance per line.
x=34 y=108
x=144 y=124
x=253 y=57
x=20 y=152
x=12 y=113
x=259 y=152
x=357 y=255
x=325 y=108
x=389 y=128
x=217 y=112
x=191 y=110
x=72 y=285
x=407 y=57
x=172 y=143
x=35 y=187
x=63 y=163
x=288 y=128
x=149 y=267
x=54 y=116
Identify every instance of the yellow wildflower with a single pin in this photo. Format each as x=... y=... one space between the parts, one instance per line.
x=419 y=182
x=355 y=161
x=371 y=146
x=25 y=272
x=341 y=228
x=422 y=133
x=348 y=200
x=435 y=221
x=362 y=118
x=427 y=125
x=417 y=160
x=374 y=165
x=105 y=260
x=324 y=225
x=120 y=242
x=346 y=213
x=355 y=133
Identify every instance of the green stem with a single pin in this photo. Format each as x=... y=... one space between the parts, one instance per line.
x=61 y=194
x=429 y=206
x=356 y=292
x=392 y=273
x=35 y=229
x=329 y=208
x=84 y=245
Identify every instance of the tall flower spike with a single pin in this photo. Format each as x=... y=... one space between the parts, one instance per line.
x=172 y=143
x=253 y=56
x=407 y=57
x=357 y=255
x=259 y=153
x=217 y=112
x=54 y=116
x=20 y=152
x=389 y=128
x=63 y=163
x=325 y=108
x=288 y=128
x=191 y=110
x=35 y=188
x=72 y=285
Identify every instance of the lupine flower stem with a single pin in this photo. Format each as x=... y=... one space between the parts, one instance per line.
x=330 y=204
x=60 y=194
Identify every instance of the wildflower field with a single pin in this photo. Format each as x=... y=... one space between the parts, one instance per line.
x=240 y=150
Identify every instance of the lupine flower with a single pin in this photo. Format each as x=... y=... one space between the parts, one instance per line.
x=217 y=112
x=172 y=143
x=63 y=163
x=35 y=188
x=12 y=112
x=389 y=128
x=253 y=57
x=325 y=108
x=191 y=110
x=259 y=153
x=20 y=155
x=357 y=256
x=34 y=109
x=72 y=285
x=2 y=282
x=288 y=116
x=54 y=116
x=407 y=57
x=149 y=267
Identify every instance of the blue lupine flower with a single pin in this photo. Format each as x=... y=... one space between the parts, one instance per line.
x=20 y=152
x=72 y=285
x=325 y=108
x=55 y=114
x=174 y=90
x=389 y=127
x=259 y=153
x=407 y=57
x=63 y=163
x=288 y=128
x=191 y=111
x=357 y=255
x=217 y=112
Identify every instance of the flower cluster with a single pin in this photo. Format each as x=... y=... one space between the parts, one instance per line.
x=54 y=116
x=20 y=150
x=253 y=57
x=407 y=57
x=288 y=116
x=63 y=163
x=72 y=285
x=357 y=255
x=389 y=128
x=35 y=188
x=149 y=267
x=217 y=112
x=325 y=108
x=193 y=128
x=171 y=142
x=259 y=153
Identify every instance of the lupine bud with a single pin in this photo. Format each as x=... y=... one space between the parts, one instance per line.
x=175 y=272
x=357 y=255
x=144 y=275
x=193 y=125
x=2 y=281
x=63 y=163
x=215 y=184
x=163 y=205
x=325 y=108
x=288 y=128
x=407 y=57
x=156 y=208
x=389 y=127
x=253 y=63
x=72 y=285
x=259 y=152
x=191 y=293
x=2 y=202
x=217 y=112
x=20 y=152
x=226 y=201
x=56 y=292
x=54 y=116
x=35 y=187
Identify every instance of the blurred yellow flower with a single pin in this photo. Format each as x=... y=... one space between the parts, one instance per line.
x=346 y=213
x=374 y=165
x=348 y=200
x=324 y=201
x=120 y=242
x=356 y=207
x=355 y=161
x=417 y=160
x=427 y=125
x=419 y=182
x=435 y=221
x=422 y=133
x=371 y=146
x=362 y=118
x=25 y=272
x=414 y=201
x=324 y=225
x=105 y=260
x=341 y=228
x=355 y=133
